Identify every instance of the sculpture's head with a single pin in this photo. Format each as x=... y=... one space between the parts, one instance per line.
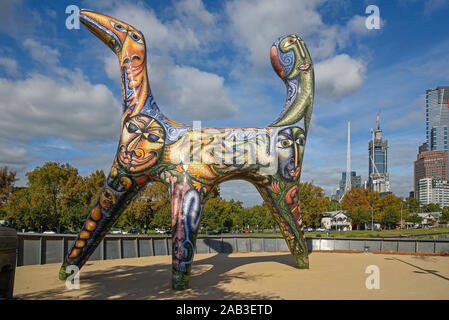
x=125 y=40
x=142 y=137
x=128 y=44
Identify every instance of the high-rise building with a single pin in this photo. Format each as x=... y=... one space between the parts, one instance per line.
x=430 y=164
x=356 y=181
x=378 y=176
x=433 y=191
x=437 y=118
x=422 y=147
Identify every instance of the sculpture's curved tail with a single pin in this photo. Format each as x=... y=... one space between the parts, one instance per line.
x=291 y=61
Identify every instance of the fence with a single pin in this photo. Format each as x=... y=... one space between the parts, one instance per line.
x=52 y=248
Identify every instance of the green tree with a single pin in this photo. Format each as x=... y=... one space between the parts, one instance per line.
x=431 y=207
x=414 y=218
x=313 y=203
x=334 y=205
x=412 y=204
x=162 y=217
x=215 y=212
x=360 y=216
x=18 y=209
x=445 y=215
x=390 y=218
x=150 y=209
x=45 y=185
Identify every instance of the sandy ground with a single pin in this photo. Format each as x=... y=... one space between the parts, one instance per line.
x=247 y=276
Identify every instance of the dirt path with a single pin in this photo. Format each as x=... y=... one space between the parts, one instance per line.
x=247 y=276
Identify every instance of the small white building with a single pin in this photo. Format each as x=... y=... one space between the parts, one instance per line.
x=429 y=218
x=336 y=220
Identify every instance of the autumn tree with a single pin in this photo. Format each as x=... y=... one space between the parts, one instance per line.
x=389 y=201
x=7 y=179
x=355 y=199
x=313 y=203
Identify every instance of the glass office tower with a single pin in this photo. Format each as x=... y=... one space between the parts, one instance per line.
x=437 y=118
x=378 y=177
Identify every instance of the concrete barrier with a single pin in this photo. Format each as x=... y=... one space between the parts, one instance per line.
x=8 y=252
x=51 y=248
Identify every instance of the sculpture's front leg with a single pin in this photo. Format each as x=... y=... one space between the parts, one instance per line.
x=118 y=191
x=186 y=207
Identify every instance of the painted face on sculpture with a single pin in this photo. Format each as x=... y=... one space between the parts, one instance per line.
x=141 y=143
x=290 y=149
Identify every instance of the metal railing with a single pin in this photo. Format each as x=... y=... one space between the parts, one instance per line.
x=52 y=248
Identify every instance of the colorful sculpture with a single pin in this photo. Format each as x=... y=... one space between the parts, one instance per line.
x=192 y=161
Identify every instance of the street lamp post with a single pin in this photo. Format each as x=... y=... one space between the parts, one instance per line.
x=372 y=219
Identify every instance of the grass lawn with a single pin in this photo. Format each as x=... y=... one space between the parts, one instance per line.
x=354 y=233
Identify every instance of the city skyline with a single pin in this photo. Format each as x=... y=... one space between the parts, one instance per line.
x=198 y=68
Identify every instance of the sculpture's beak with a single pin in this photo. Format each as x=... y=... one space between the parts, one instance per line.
x=103 y=27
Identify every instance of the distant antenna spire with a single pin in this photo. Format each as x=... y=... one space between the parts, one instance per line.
x=348 y=161
x=378 y=120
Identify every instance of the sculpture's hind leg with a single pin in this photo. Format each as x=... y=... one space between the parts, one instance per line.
x=186 y=207
x=283 y=200
x=118 y=191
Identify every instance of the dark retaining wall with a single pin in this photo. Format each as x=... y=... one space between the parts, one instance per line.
x=51 y=248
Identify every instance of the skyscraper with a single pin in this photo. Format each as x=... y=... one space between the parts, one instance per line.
x=378 y=176
x=430 y=164
x=437 y=118
x=355 y=180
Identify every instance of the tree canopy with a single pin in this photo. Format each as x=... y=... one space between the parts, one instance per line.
x=58 y=198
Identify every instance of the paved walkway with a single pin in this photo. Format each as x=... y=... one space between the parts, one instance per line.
x=247 y=276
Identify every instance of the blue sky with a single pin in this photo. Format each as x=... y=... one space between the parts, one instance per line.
x=209 y=61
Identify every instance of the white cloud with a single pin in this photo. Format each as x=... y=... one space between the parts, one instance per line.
x=13 y=156
x=42 y=53
x=339 y=76
x=240 y=190
x=45 y=56
x=327 y=178
x=16 y=159
x=185 y=32
x=256 y=25
x=193 y=12
x=183 y=91
x=72 y=109
x=199 y=95
x=64 y=104
x=10 y=65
